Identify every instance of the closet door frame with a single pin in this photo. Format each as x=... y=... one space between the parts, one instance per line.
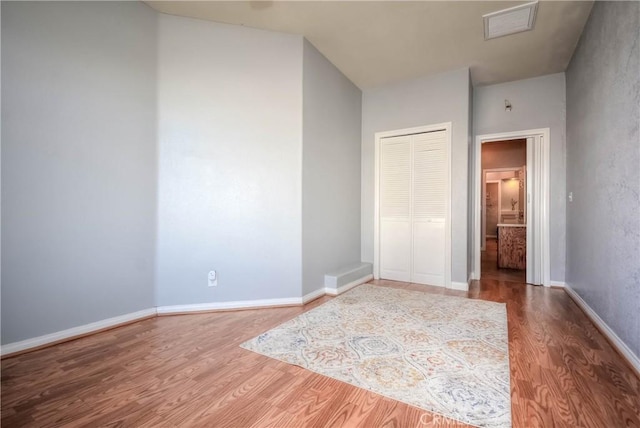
x=446 y=126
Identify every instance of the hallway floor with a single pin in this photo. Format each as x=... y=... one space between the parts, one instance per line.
x=490 y=270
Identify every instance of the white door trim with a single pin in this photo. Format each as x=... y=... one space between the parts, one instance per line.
x=541 y=234
x=446 y=126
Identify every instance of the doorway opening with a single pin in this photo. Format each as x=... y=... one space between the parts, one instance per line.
x=503 y=216
x=524 y=215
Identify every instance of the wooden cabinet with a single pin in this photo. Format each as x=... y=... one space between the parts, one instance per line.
x=512 y=246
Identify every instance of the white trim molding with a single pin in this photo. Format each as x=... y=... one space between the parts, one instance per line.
x=75 y=332
x=461 y=286
x=540 y=263
x=559 y=284
x=611 y=336
x=337 y=291
x=95 y=327
x=227 y=306
x=264 y=303
x=313 y=295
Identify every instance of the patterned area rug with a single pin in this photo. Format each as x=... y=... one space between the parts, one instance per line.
x=447 y=355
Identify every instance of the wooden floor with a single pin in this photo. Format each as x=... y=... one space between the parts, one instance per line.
x=189 y=371
x=489 y=265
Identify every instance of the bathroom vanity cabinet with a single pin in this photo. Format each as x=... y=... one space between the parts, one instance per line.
x=512 y=246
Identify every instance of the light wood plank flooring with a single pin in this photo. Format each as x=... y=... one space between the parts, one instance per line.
x=189 y=371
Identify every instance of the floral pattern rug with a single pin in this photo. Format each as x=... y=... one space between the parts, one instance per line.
x=448 y=355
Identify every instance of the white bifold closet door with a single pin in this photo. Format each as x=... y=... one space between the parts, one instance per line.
x=413 y=203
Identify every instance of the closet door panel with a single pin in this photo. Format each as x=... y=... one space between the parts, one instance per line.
x=395 y=209
x=429 y=207
x=395 y=254
x=428 y=252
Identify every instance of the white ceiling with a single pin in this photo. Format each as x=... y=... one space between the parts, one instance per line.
x=379 y=42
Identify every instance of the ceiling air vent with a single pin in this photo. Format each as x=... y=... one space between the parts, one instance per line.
x=510 y=21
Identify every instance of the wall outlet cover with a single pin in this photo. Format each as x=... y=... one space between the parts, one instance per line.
x=213 y=278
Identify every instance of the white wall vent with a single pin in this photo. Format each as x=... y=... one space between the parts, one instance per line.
x=510 y=21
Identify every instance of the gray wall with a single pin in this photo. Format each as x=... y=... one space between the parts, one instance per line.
x=537 y=103
x=332 y=111
x=78 y=164
x=425 y=101
x=230 y=162
x=603 y=168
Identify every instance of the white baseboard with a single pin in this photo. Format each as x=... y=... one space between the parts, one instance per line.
x=559 y=284
x=60 y=336
x=313 y=295
x=613 y=338
x=222 y=306
x=461 y=286
x=349 y=286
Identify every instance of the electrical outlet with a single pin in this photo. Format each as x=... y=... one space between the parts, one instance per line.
x=213 y=278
